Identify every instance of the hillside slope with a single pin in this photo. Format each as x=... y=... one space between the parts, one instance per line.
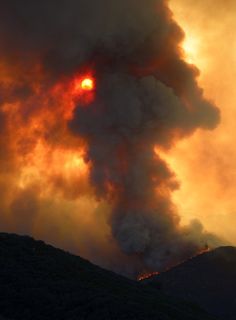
x=208 y=280
x=40 y=282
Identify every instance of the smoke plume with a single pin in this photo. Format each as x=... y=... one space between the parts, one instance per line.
x=101 y=150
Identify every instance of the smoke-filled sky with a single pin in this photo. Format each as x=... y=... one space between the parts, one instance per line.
x=137 y=173
x=206 y=163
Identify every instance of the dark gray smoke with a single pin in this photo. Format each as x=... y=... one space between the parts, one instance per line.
x=146 y=97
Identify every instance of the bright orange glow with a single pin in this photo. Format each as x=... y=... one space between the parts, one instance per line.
x=205 y=162
x=191 y=48
x=87 y=84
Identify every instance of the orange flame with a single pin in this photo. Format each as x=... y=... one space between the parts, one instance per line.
x=149 y=275
x=145 y=276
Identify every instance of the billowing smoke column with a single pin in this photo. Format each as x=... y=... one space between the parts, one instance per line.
x=146 y=97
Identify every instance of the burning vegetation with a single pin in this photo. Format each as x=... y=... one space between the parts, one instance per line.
x=145 y=276
x=88 y=98
x=148 y=275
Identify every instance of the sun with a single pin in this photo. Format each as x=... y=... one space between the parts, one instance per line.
x=190 y=46
x=87 y=84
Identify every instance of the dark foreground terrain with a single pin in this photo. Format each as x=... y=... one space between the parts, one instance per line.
x=38 y=281
x=208 y=280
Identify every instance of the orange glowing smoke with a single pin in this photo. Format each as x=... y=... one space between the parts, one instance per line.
x=44 y=182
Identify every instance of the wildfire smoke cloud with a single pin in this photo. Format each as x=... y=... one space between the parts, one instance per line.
x=87 y=165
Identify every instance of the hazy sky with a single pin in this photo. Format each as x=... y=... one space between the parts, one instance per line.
x=206 y=163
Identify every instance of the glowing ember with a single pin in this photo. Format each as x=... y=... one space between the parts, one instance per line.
x=87 y=84
x=145 y=276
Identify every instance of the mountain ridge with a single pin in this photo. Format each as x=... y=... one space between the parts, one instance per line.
x=208 y=280
x=41 y=282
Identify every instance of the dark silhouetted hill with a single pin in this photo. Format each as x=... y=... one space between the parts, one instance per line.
x=208 y=280
x=40 y=282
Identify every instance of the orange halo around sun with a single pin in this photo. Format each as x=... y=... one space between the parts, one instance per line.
x=83 y=89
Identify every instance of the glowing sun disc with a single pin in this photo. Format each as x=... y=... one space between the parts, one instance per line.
x=87 y=84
